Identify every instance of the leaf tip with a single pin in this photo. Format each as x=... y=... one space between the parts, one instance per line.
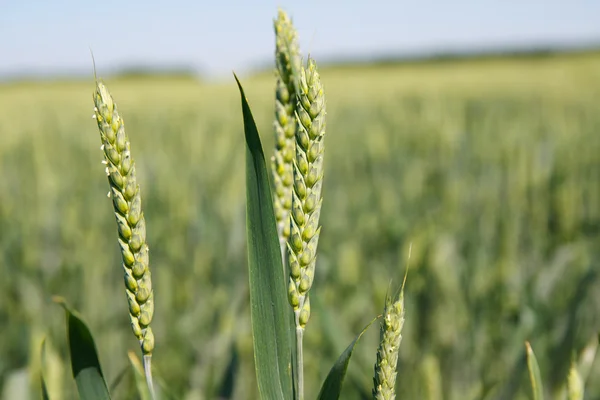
x=61 y=301
x=239 y=84
x=528 y=347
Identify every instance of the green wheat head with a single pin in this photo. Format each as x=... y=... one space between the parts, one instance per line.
x=306 y=195
x=131 y=226
x=384 y=380
x=287 y=61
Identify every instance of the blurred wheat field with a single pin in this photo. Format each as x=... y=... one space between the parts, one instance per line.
x=491 y=169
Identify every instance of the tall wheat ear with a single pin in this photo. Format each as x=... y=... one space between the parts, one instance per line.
x=306 y=201
x=390 y=337
x=287 y=62
x=131 y=225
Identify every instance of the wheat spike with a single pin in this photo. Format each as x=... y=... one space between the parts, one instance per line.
x=287 y=61
x=306 y=194
x=131 y=225
x=384 y=381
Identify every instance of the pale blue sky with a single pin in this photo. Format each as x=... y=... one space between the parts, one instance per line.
x=218 y=37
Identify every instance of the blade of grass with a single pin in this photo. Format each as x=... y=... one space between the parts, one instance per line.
x=45 y=395
x=227 y=386
x=534 y=374
x=332 y=386
x=84 y=358
x=268 y=297
x=112 y=388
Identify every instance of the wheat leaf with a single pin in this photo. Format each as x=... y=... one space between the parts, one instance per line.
x=268 y=302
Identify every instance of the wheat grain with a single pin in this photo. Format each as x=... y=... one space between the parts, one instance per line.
x=131 y=225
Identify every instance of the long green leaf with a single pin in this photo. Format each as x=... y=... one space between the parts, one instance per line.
x=534 y=374
x=332 y=387
x=268 y=301
x=84 y=358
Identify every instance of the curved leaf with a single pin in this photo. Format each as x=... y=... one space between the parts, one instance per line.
x=332 y=386
x=268 y=299
x=534 y=374
x=84 y=358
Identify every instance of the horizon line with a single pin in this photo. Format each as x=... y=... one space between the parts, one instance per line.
x=383 y=58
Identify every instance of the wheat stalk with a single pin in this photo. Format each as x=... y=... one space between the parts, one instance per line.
x=131 y=225
x=287 y=61
x=306 y=201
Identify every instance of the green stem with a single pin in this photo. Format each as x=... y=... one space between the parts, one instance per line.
x=299 y=361
x=148 y=373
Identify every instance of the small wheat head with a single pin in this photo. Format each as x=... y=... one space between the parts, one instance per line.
x=384 y=381
x=131 y=226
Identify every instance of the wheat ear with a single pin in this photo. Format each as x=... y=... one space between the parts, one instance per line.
x=384 y=380
x=287 y=61
x=306 y=201
x=131 y=225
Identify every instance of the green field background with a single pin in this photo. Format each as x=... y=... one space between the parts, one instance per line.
x=490 y=169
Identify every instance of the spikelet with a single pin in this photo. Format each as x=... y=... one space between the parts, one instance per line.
x=287 y=60
x=131 y=226
x=306 y=194
x=384 y=381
